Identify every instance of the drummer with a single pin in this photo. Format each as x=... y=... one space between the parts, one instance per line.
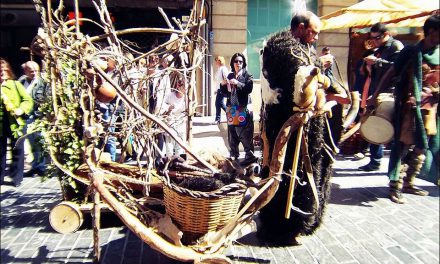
x=387 y=49
x=416 y=138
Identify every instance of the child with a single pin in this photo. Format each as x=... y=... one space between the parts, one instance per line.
x=175 y=106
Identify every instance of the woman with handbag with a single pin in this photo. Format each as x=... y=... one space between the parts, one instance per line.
x=15 y=104
x=240 y=119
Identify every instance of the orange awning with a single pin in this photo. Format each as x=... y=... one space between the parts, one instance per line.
x=404 y=13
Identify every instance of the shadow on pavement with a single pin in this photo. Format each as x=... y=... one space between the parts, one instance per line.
x=357 y=173
x=364 y=195
x=41 y=257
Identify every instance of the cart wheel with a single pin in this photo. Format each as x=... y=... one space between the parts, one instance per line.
x=66 y=217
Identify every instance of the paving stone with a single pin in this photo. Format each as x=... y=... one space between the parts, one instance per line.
x=427 y=258
x=12 y=251
x=53 y=240
x=319 y=251
x=326 y=237
x=302 y=255
x=379 y=253
x=14 y=234
x=356 y=232
x=405 y=242
x=403 y=255
x=69 y=241
x=364 y=257
x=383 y=236
x=133 y=251
x=26 y=254
x=347 y=241
x=114 y=251
x=430 y=247
x=149 y=255
x=340 y=253
x=84 y=243
x=281 y=255
x=79 y=254
x=241 y=252
x=36 y=241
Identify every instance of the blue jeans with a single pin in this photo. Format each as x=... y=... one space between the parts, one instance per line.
x=17 y=165
x=110 y=146
x=39 y=162
x=219 y=104
x=376 y=154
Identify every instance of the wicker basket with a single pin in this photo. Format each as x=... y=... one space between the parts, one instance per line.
x=197 y=213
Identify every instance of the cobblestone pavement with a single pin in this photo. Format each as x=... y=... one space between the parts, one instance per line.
x=361 y=225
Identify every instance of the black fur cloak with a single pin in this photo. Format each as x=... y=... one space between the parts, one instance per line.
x=279 y=67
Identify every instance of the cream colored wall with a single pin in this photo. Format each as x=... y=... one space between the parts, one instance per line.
x=337 y=40
x=229 y=23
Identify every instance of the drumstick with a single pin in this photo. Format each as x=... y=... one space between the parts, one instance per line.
x=350 y=132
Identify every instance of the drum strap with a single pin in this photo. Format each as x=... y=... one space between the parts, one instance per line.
x=365 y=91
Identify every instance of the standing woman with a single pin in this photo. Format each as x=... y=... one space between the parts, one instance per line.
x=15 y=103
x=241 y=84
x=222 y=89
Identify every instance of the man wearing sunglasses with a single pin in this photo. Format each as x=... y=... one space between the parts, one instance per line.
x=387 y=51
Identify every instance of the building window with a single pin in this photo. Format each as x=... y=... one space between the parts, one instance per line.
x=266 y=17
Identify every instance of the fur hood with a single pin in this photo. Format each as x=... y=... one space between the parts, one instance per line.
x=279 y=66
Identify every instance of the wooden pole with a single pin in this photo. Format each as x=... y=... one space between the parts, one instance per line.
x=96 y=226
x=77 y=18
x=294 y=169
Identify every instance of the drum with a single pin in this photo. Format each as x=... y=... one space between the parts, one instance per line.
x=378 y=128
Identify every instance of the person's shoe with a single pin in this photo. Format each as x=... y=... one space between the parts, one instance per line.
x=397 y=197
x=358 y=156
x=233 y=158
x=40 y=172
x=17 y=183
x=414 y=190
x=128 y=159
x=369 y=167
x=29 y=173
x=248 y=160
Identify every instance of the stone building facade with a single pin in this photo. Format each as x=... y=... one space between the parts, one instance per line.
x=233 y=22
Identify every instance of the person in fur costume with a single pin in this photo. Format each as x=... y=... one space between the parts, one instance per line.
x=284 y=57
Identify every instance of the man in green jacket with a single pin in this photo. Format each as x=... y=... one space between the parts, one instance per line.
x=416 y=119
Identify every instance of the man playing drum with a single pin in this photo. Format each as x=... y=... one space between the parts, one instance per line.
x=416 y=119
x=387 y=50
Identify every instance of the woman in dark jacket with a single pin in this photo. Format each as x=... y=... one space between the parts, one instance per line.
x=241 y=84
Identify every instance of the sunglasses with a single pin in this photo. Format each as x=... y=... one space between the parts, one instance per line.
x=238 y=61
x=377 y=37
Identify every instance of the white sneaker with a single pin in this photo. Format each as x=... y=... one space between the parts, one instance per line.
x=358 y=156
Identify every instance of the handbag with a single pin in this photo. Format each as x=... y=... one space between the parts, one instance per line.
x=236 y=115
